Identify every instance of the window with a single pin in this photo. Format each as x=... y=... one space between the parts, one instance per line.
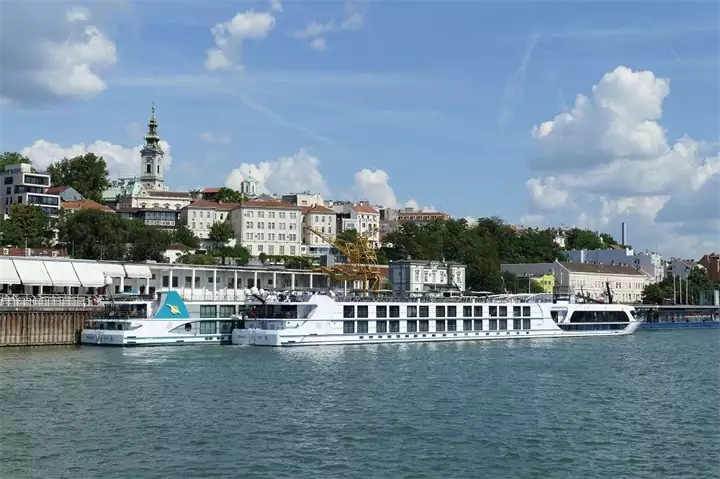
x=493 y=324
x=348 y=312
x=439 y=311
x=517 y=323
x=424 y=325
x=526 y=323
x=452 y=325
x=208 y=327
x=348 y=327
x=227 y=310
x=208 y=311
x=467 y=311
x=166 y=281
x=503 y=324
x=477 y=311
x=451 y=311
x=526 y=310
x=362 y=326
x=394 y=311
x=412 y=311
x=362 y=312
x=381 y=326
x=478 y=325
x=503 y=311
x=517 y=310
x=440 y=325
x=467 y=324
x=493 y=311
x=381 y=311
x=424 y=311
x=412 y=326
x=394 y=326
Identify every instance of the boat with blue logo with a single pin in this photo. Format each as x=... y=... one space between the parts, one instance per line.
x=133 y=320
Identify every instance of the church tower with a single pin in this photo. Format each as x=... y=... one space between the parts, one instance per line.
x=152 y=155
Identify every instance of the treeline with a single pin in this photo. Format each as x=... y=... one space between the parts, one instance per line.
x=698 y=282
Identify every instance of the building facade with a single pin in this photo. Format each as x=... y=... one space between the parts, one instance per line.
x=22 y=185
x=361 y=217
x=304 y=199
x=427 y=277
x=711 y=262
x=651 y=263
x=411 y=215
x=199 y=216
x=271 y=227
x=66 y=193
x=322 y=220
x=161 y=218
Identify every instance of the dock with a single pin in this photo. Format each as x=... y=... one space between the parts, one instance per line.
x=676 y=316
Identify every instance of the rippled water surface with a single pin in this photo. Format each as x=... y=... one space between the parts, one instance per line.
x=642 y=406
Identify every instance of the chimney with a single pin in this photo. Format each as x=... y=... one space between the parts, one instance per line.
x=623 y=235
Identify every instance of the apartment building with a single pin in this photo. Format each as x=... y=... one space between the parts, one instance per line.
x=324 y=221
x=273 y=227
x=23 y=185
x=711 y=262
x=161 y=218
x=199 y=216
x=304 y=199
x=358 y=216
x=651 y=263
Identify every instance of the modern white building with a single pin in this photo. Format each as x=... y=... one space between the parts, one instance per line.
x=651 y=263
x=268 y=226
x=680 y=268
x=358 y=216
x=588 y=279
x=421 y=276
x=322 y=220
x=304 y=199
x=199 y=216
x=22 y=185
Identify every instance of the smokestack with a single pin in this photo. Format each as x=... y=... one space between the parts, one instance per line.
x=623 y=235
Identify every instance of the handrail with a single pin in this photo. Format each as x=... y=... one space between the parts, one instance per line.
x=28 y=300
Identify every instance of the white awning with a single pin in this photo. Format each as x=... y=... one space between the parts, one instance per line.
x=90 y=274
x=138 y=271
x=8 y=274
x=32 y=273
x=114 y=270
x=62 y=273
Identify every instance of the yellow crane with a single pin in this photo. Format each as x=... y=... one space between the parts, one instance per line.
x=361 y=260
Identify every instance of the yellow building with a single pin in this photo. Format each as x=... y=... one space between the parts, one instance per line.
x=544 y=282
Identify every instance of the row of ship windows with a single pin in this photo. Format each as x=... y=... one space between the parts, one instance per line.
x=440 y=311
x=441 y=325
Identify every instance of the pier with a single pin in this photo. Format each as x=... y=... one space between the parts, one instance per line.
x=678 y=316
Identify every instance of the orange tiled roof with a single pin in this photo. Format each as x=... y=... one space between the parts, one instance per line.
x=317 y=209
x=363 y=208
x=213 y=205
x=211 y=190
x=86 y=205
x=55 y=190
x=270 y=204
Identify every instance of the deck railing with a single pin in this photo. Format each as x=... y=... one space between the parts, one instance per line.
x=51 y=300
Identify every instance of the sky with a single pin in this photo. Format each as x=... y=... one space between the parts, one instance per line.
x=559 y=113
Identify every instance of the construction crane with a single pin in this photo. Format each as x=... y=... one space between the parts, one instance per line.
x=361 y=260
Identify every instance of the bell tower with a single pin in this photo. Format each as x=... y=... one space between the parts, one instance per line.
x=151 y=158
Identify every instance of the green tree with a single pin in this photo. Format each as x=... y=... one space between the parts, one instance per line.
x=87 y=173
x=146 y=242
x=221 y=232
x=185 y=236
x=608 y=240
x=93 y=234
x=239 y=253
x=27 y=225
x=263 y=257
x=12 y=158
x=228 y=195
x=657 y=293
x=583 y=239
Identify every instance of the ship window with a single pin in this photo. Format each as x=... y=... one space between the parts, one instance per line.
x=208 y=311
x=503 y=323
x=439 y=311
x=394 y=311
x=526 y=324
x=451 y=311
x=394 y=326
x=362 y=326
x=348 y=312
x=424 y=311
x=478 y=325
x=503 y=311
x=517 y=324
x=477 y=311
x=381 y=326
x=517 y=310
x=467 y=311
x=440 y=325
x=208 y=327
x=452 y=325
x=381 y=311
x=493 y=311
x=412 y=312
x=412 y=326
x=493 y=324
x=599 y=317
x=348 y=327
x=467 y=324
x=526 y=310
x=362 y=311
x=226 y=327
x=227 y=310
x=424 y=325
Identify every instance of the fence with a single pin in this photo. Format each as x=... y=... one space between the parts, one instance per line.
x=45 y=301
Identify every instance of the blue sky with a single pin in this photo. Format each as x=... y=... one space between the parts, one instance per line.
x=441 y=96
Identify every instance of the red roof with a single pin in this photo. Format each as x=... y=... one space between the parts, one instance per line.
x=317 y=209
x=211 y=190
x=86 y=205
x=56 y=190
x=363 y=208
x=213 y=205
x=270 y=204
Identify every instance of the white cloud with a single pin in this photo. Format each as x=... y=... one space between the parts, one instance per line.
x=286 y=174
x=229 y=37
x=276 y=6
x=121 y=161
x=209 y=137
x=52 y=52
x=608 y=160
x=412 y=204
x=313 y=29
x=318 y=44
x=373 y=186
x=354 y=19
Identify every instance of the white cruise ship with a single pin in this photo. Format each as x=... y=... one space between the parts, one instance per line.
x=317 y=319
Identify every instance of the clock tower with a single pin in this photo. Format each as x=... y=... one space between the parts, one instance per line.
x=151 y=158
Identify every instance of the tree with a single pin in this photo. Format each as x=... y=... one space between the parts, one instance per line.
x=263 y=257
x=608 y=240
x=12 y=158
x=221 y=232
x=228 y=195
x=94 y=234
x=27 y=225
x=239 y=253
x=583 y=239
x=87 y=173
x=147 y=242
x=657 y=293
x=185 y=236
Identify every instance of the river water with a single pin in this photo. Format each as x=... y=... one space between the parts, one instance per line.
x=641 y=406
